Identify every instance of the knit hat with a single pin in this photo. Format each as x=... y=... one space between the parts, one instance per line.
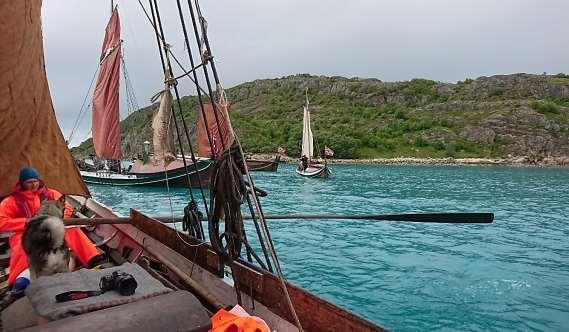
x=28 y=173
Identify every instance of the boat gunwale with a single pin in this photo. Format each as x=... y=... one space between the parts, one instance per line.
x=146 y=179
x=317 y=173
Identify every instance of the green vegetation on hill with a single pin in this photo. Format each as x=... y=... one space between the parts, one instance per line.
x=365 y=118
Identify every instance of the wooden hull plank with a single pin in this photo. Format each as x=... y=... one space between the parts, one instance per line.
x=314 y=313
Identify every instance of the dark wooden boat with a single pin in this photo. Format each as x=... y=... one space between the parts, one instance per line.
x=193 y=270
x=153 y=171
x=259 y=165
x=196 y=176
x=186 y=263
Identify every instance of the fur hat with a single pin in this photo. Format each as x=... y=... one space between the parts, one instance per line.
x=28 y=173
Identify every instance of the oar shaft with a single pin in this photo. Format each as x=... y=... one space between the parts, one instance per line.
x=94 y=221
x=453 y=218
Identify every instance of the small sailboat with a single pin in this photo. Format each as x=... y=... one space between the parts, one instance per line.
x=162 y=170
x=306 y=167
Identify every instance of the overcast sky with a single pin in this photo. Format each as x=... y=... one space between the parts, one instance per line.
x=444 y=40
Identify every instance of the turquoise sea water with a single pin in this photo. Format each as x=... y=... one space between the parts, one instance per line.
x=509 y=275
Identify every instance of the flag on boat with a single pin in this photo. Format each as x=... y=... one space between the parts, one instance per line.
x=328 y=152
x=281 y=150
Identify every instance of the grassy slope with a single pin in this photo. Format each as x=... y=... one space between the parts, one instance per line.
x=368 y=118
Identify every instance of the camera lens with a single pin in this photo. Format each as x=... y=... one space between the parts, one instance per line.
x=123 y=283
x=126 y=284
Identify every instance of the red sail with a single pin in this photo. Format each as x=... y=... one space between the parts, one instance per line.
x=204 y=149
x=106 y=127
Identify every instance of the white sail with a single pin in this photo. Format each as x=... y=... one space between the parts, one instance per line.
x=307 y=140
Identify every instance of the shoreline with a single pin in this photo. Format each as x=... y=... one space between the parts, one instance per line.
x=511 y=161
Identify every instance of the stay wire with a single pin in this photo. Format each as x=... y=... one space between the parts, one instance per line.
x=192 y=64
x=167 y=74
x=259 y=235
x=186 y=72
x=160 y=38
x=206 y=74
x=188 y=48
x=192 y=154
x=172 y=54
x=130 y=91
x=247 y=174
x=186 y=131
x=216 y=77
x=173 y=116
x=80 y=116
x=174 y=223
x=256 y=200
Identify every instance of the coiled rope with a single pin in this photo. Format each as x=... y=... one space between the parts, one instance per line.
x=228 y=192
x=191 y=222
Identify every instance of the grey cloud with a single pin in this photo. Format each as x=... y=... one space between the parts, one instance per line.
x=445 y=40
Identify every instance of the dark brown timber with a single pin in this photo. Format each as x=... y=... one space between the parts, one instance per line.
x=314 y=313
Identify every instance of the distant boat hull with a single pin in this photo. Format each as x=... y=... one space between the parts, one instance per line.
x=263 y=165
x=315 y=171
x=176 y=177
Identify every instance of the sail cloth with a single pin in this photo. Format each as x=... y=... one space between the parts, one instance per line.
x=106 y=125
x=29 y=134
x=216 y=132
x=307 y=140
x=163 y=129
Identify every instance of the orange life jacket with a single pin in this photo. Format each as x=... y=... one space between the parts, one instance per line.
x=225 y=321
x=17 y=208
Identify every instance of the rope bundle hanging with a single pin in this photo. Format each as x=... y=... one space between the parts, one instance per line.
x=191 y=222
x=228 y=192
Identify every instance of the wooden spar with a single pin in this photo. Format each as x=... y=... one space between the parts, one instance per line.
x=453 y=218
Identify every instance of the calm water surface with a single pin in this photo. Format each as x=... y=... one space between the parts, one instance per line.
x=509 y=275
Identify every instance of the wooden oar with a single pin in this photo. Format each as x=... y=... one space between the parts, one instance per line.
x=444 y=217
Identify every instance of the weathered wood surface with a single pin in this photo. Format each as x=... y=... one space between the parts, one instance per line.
x=315 y=314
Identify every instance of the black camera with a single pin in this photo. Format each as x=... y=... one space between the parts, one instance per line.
x=122 y=282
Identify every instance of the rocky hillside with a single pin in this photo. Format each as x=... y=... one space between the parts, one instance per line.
x=498 y=116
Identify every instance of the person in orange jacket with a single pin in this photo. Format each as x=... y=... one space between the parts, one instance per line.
x=23 y=204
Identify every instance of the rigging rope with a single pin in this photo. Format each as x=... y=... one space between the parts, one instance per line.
x=130 y=96
x=191 y=222
x=256 y=201
x=194 y=74
x=168 y=73
x=227 y=193
x=82 y=113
